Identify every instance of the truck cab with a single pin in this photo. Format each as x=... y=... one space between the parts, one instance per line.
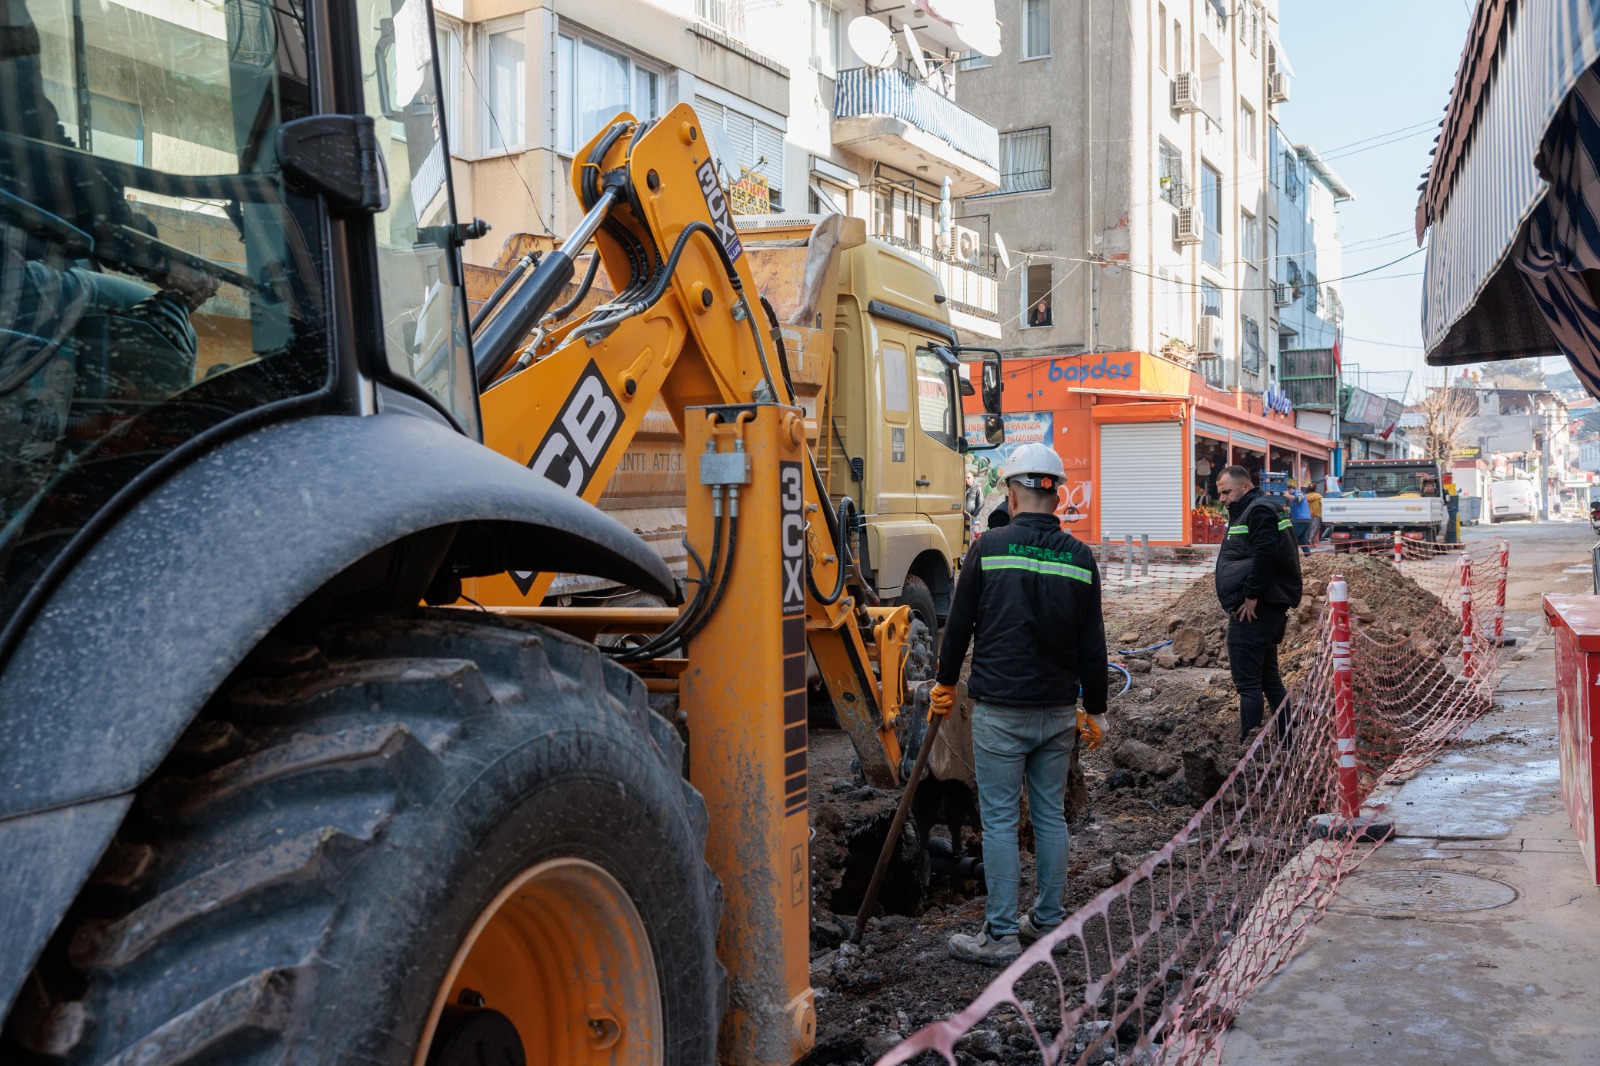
x=1381 y=496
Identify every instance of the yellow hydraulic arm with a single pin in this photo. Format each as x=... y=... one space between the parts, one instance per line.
x=774 y=578
x=683 y=327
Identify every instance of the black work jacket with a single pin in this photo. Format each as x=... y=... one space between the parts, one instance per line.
x=1259 y=559
x=1030 y=594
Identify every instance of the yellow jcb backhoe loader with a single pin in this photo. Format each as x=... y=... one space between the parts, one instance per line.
x=256 y=805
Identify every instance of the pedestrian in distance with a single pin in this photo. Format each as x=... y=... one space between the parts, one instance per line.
x=1314 y=503
x=1300 y=519
x=1258 y=584
x=974 y=498
x=1029 y=594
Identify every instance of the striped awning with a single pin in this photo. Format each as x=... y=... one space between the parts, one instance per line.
x=1489 y=179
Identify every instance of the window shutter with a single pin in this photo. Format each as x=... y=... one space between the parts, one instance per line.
x=769 y=143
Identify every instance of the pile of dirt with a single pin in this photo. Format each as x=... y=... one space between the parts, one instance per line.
x=1175 y=738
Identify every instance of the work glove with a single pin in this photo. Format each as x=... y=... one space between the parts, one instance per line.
x=1092 y=728
x=941 y=701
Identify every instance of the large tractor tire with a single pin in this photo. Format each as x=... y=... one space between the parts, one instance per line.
x=425 y=831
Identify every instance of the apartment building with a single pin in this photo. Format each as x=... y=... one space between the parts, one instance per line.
x=796 y=121
x=1136 y=213
x=527 y=82
x=1135 y=185
x=1306 y=265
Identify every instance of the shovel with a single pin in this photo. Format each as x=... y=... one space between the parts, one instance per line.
x=899 y=822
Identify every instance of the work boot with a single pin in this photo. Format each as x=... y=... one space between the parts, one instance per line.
x=1028 y=932
x=985 y=948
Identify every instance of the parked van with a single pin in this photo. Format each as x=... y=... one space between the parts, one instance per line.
x=1512 y=499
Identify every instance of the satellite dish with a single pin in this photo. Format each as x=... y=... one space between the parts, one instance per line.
x=916 y=51
x=871 y=41
x=1000 y=249
x=978 y=29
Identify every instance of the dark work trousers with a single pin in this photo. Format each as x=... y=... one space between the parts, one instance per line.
x=1253 y=658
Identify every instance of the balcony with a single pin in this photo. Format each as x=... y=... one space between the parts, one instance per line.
x=1310 y=378
x=971 y=294
x=890 y=117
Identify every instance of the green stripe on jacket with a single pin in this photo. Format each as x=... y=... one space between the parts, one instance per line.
x=1038 y=566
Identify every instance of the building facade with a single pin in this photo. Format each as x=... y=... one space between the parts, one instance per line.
x=795 y=120
x=1139 y=211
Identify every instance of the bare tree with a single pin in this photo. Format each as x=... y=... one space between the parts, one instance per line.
x=1445 y=412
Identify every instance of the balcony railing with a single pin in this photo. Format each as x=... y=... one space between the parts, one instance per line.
x=863 y=92
x=968 y=288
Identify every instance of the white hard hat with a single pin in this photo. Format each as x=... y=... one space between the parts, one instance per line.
x=1034 y=466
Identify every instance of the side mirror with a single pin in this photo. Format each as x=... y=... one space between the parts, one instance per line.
x=966 y=387
x=992 y=388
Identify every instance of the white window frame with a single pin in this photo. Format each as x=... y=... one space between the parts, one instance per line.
x=1249 y=128
x=1027 y=296
x=487 y=121
x=1029 y=46
x=452 y=76
x=566 y=94
x=1049 y=163
x=1161 y=32
x=826 y=65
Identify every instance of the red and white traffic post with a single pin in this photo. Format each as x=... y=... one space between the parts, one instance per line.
x=1500 y=596
x=1467 y=667
x=1348 y=822
x=1397 y=549
x=1344 y=698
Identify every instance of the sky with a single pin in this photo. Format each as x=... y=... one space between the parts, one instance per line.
x=1371 y=80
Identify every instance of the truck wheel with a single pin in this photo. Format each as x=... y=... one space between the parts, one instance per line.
x=428 y=828
x=915 y=594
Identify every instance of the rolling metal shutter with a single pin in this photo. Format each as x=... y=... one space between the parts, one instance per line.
x=1142 y=483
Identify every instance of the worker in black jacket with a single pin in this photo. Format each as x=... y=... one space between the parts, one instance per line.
x=1258 y=582
x=1030 y=593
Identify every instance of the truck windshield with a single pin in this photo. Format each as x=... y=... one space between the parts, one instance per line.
x=1392 y=480
x=156 y=277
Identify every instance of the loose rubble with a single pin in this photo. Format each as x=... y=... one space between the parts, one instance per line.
x=1175 y=738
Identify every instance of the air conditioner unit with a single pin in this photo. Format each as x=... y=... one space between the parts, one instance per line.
x=1186 y=92
x=967 y=245
x=1282 y=295
x=1191 y=225
x=1278 y=87
x=1208 y=338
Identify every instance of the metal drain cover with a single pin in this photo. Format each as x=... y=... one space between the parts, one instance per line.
x=1396 y=892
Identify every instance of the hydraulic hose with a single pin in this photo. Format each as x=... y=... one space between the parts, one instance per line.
x=583 y=288
x=675 y=633
x=500 y=290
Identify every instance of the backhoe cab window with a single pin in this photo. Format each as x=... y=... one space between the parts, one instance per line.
x=424 y=316
x=156 y=279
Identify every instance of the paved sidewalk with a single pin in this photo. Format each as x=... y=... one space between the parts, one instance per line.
x=1474 y=937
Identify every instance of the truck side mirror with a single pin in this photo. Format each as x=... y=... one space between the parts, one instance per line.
x=992 y=388
x=966 y=387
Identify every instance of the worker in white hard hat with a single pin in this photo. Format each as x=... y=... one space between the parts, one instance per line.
x=1029 y=593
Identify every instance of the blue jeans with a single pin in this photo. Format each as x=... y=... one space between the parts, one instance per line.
x=1011 y=745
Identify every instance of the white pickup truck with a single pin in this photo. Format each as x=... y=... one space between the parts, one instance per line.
x=1406 y=495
